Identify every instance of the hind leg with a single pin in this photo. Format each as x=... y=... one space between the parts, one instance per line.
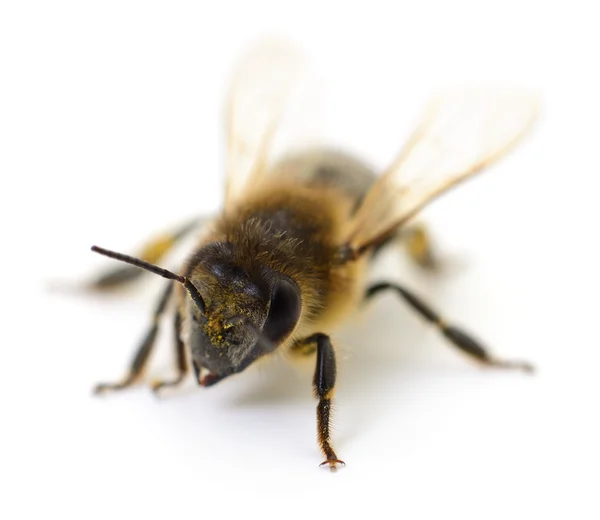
x=416 y=240
x=152 y=252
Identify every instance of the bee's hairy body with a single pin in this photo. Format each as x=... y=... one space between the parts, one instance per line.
x=295 y=227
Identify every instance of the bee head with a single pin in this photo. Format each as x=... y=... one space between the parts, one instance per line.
x=248 y=310
x=237 y=311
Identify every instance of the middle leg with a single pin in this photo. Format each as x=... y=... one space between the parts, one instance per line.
x=457 y=336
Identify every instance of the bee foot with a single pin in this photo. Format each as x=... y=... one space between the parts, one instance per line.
x=105 y=388
x=524 y=366
x=333 y=464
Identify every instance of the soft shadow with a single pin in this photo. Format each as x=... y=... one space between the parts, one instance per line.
x=378 y=360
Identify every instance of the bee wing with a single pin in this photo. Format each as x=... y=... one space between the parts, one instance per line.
x=459 y=135
x=261 y=92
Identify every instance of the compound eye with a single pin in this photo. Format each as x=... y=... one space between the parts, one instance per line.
x=284 y=311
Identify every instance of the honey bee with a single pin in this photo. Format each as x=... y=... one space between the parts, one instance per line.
x=286 y=260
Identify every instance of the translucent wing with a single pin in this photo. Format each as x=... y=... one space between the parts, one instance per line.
x=261 y=91
x=460 y=134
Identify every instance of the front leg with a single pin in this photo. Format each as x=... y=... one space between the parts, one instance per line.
x=323 y=384
x=180 y=359
x=142 y=355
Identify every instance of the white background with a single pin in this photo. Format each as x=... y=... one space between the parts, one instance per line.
x=110 y=129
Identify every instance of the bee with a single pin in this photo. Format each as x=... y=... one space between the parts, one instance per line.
x=286 y=260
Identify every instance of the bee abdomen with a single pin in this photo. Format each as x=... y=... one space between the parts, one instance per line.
x=328 y=167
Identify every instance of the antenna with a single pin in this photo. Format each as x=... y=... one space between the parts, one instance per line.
x=191 y=288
